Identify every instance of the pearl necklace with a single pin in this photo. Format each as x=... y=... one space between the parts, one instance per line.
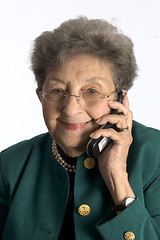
x=67 y=166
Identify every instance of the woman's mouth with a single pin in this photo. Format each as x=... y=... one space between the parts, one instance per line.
x=74 y=126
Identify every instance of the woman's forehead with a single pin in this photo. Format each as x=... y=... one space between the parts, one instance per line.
x=82 y=68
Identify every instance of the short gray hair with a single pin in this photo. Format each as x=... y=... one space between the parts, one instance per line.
x=93 y=37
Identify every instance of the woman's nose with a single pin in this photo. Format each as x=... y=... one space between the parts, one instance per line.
x=72 y=106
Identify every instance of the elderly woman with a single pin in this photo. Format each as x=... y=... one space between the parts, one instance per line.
x=49 y=187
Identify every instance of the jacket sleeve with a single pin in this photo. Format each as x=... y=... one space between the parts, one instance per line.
x=141 y=218
x=3 y=203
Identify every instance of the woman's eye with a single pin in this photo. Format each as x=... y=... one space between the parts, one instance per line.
x=57 y=91
x=92 y=91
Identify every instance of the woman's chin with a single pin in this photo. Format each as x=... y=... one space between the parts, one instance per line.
x=72 y=147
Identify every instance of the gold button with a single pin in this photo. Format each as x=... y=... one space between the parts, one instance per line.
x=84 y=210
x=89 y=163
x=129 y=236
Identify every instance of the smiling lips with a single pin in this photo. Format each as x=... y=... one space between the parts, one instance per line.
x=74 y=126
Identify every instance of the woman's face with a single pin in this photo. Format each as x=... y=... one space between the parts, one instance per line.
x=71 y=121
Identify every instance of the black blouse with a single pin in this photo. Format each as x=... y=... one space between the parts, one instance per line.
x=67 y=229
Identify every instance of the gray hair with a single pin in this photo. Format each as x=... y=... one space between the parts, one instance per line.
x=94 y=37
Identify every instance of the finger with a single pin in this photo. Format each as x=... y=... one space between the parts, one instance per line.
x=118 y=120
x=119 y=107
x=121 y=137
x=110 y=132
x=122 y=109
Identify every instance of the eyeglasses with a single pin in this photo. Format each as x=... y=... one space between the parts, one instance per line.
x=88 y=96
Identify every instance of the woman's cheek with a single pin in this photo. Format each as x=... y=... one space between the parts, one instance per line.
x=50 y=117
x=98 y=112
x=50 y=112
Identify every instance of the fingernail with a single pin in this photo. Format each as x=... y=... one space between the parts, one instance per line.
x=100 y=121
x=111 y=101
x=91 y=135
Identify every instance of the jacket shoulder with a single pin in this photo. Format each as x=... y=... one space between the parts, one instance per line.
x=144 y=155
x=145 y=135
x=21 y=150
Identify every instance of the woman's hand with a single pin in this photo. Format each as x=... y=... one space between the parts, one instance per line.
x=112 y=161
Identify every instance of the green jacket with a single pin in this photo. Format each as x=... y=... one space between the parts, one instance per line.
x=34 y=191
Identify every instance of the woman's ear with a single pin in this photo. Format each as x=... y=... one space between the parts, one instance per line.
x=125 y=99
x=38 y=94
x=124 y=92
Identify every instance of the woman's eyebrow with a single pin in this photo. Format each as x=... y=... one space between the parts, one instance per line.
x=94 y=79
x=54 y=79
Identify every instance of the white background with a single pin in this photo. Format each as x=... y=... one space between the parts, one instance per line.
x=21 y=21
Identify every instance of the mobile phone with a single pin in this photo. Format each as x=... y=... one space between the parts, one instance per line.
x=96 y=146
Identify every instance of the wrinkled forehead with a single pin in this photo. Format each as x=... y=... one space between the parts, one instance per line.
x=81 y=69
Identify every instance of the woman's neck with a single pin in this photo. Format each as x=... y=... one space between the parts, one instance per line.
x=71 y=151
